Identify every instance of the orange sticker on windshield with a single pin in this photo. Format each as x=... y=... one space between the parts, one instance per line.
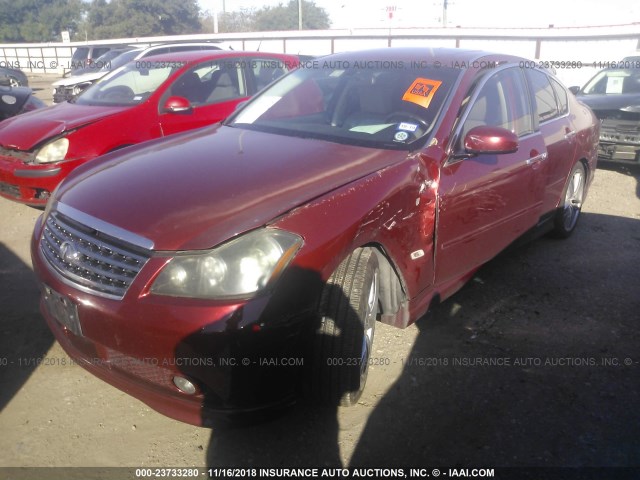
x=421 y=91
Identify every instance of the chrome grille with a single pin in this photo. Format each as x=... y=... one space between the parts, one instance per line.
x=90 y=259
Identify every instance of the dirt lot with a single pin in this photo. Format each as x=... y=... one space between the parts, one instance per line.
x=534 y=363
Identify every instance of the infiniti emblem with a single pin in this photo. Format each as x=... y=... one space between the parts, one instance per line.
x=69 y=253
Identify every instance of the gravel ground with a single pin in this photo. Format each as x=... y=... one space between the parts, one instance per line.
x=534 y=363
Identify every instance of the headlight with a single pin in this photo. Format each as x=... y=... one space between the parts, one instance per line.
x=53 y=151
x=79 y=88
x=241 y=267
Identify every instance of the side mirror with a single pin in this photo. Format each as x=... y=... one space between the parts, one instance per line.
x=177 y=105
x=574 y=89
x=491 y=140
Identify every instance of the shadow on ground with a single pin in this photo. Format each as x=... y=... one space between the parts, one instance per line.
x=525 y=366
x=24 y=336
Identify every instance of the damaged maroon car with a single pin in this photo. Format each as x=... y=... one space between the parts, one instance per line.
x=229 y=268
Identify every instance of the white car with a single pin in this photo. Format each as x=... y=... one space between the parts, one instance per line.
x=70 y=87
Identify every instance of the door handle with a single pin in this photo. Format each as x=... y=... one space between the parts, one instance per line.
x=537 y=158
x=569 y=134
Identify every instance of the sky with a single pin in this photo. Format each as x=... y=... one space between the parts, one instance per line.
x=466 y=13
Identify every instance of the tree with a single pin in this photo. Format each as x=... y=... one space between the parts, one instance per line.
x=229 y=22
x=282 y=17
x=142 y=18
x=38 y=20
x=285 y=17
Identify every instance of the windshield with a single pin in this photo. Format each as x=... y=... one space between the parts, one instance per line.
x=378 y=107
x=129 y=85
x=614 y=82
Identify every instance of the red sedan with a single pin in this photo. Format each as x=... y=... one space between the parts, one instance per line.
x=148 y=98
x=222 y=268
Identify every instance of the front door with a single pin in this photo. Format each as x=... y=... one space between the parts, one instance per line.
x=486 y=201
x=213 y=88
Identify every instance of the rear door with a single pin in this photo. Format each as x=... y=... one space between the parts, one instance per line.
x=552 y=119
x=486 y=201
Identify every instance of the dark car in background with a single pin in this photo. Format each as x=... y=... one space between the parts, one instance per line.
x=16 y=100
x=614 y=96
x=223 y=268
x=13 y=77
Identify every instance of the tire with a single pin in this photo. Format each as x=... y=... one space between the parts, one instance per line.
x=13 y=81
x=568 y=213
x=342 y=342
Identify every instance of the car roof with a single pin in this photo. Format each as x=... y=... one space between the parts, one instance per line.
x=192 y=56
x=446 y=56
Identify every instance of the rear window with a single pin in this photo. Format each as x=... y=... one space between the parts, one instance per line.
x=546 y=106
x=561 y=96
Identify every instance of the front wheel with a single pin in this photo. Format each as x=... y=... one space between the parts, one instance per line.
x=569 y=211
x=343 y=341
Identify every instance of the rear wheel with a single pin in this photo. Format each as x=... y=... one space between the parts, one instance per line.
x=13 y=81
x=343 y=340
x=569 y=211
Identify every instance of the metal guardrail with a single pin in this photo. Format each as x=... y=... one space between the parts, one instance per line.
x=587 y=47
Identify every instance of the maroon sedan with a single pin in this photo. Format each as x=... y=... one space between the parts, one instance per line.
x=145 y=99
x=223 y=268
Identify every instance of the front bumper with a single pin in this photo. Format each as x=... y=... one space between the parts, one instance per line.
x=31 y=184
x=619 y=141
x=63 y=94
x=238 y=357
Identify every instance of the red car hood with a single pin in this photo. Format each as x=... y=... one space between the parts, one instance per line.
x=196 y=190
x=26 y=131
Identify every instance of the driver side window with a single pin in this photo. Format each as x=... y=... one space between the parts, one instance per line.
x=211 y=82
x=501 y=102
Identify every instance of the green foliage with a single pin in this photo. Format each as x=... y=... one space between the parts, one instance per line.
x=229 y=22
x=285 y=17
x=38 y=20
x=142 y=18
x=44 y=20
x=282 y=17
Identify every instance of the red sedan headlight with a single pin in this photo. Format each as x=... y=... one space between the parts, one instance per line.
x=239 y=268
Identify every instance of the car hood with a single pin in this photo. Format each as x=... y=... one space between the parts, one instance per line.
x=602 y=103
x=198 y=189
x=74 y=79
x=27 y=131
